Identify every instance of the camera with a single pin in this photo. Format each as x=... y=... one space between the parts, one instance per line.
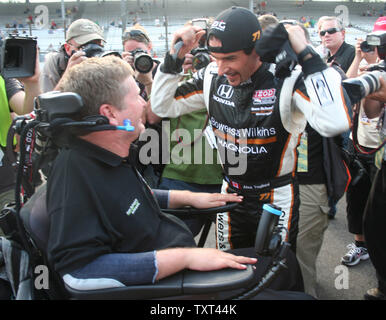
x=201 y=57
x=375 y=39
x=360 y=87
x=365 y=47
x=143 y=62
x=92 y=50
x=378 y=39
x=18 y=57
x=95 y=50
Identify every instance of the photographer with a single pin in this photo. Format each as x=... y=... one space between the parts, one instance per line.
x=137 y=48
x=257 y=118
x=80 y=33
x=361 y=166
x=137 y=45
x=374 y=224
x=16 y=95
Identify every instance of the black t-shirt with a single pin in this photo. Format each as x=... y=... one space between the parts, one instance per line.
x=99 y=204
x=343 y=57
x=12 y=86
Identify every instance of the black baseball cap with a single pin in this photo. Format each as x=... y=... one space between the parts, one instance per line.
x=237 y=28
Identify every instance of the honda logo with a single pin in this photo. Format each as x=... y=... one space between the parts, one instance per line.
x=225 y=91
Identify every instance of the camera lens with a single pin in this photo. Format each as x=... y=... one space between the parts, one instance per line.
x=201 y=60
x=19 y=55
x=362 y=86
x=143 y=62
x=92 y=50
x=13 y=57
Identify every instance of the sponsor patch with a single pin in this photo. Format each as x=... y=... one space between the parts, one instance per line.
x=223 y=101
x=222 y=231
x=225 y=91
x=262 y=97
x=262 y=111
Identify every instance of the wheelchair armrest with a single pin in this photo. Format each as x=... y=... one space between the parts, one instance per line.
x=187 y=282
x=198 y=282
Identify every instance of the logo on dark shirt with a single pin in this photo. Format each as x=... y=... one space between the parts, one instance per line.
x=133 y=207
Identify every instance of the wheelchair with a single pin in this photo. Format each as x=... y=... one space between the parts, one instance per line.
x=26 y=226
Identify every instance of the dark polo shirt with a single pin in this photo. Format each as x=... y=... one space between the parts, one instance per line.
x=344 y=56
x=99 y=204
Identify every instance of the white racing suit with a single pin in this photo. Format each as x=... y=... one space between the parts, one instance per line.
x=257 y=127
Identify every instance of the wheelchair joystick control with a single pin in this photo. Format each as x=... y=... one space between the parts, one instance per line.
x=268 y=237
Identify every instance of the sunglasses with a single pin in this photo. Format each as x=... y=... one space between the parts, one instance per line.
x=329 y=31
x=133 y=34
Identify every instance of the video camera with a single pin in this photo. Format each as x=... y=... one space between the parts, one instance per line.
x=18 y=57
x=143 y=62
x=201 y=53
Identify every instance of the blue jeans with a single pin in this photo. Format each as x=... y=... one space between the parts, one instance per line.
x=115 y=270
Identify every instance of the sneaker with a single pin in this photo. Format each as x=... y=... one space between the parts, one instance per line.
x=354 y=255
x=374 y=294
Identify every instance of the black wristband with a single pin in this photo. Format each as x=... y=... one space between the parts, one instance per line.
x=313 y=64
x=172 y=64
x=306 y=51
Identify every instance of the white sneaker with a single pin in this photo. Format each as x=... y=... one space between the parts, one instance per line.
x=354 y=255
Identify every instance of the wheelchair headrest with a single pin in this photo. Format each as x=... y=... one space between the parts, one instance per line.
x=35 y=218
x=56 y=104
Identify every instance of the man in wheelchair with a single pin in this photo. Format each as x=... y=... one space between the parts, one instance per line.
x=105 y=230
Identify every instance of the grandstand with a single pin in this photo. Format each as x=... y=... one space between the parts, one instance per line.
x=111 y=15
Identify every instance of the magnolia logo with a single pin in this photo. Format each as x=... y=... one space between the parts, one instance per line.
x=225 y=91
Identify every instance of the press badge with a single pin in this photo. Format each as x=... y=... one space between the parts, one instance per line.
x=303 y=154
x=322 y=89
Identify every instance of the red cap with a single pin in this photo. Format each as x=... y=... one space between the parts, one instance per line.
x=380 y=24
